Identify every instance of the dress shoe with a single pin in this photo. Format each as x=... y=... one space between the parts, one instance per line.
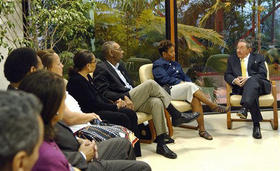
x=257 y=132
x=243 y=113
x=185 y=118
x=165 y=151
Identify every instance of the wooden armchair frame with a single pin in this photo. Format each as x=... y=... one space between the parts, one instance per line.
x=269 y=100
x=145 y=73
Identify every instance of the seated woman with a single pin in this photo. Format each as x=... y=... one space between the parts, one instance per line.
x=113 y=154
x=52 y=98
x=169 y=73
x=73 y=116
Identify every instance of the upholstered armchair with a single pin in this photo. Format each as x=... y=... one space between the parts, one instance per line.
x=269 y=100
x=145 y=73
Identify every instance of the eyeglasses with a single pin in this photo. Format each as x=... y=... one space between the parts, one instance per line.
x=93 y=62
x=119 y=49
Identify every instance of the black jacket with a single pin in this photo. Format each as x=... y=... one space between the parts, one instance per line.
x=256 y=68
x=87 y=96
x=108 y=83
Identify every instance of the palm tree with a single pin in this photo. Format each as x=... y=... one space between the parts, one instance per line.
x=148 y=14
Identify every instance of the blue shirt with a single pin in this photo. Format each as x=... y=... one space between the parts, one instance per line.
x=168 y=72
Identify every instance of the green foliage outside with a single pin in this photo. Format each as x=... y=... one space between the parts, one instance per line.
x=55 y=24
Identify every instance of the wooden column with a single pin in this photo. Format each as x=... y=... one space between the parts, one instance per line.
x=171 y=23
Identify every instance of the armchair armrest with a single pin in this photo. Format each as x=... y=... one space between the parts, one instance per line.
x=273 y=90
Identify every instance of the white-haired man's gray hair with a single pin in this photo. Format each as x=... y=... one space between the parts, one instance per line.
x=19 y=127
x=106 y=47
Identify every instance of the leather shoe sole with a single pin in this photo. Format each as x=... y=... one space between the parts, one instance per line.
x=185 y=118
x=242 y=113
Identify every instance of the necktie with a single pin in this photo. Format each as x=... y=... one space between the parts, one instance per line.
x=243 y=68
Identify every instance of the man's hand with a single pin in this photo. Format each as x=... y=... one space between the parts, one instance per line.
x=88 y=148
x=243 y=81
x=120 y=103
x=240 y=81
x=129 y=103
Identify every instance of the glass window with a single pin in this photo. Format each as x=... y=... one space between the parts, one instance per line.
x=135 y=25
x=203 y=24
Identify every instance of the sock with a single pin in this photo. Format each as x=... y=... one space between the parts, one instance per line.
x=160 y=139
x=256 y=124
x=175 y=114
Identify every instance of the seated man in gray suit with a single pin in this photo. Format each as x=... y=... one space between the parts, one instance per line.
x=246 y=73
x=21 y=130
x=113 y=154
x=112 y=81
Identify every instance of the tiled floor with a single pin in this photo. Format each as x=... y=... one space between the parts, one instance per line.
x=230 y=150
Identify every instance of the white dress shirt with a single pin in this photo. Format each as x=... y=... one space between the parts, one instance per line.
x=127 y=85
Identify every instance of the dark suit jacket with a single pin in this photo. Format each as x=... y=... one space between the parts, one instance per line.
x=108 y=83
x=69 y=145
x=87 y=96
x=256 y=68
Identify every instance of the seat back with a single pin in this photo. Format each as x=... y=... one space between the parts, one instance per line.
x=267 y=71
x=146 y=73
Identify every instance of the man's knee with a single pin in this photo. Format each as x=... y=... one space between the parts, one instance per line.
x=122 y=141
x=151 y=83
x=252 y=83
x=156 y=103
x=248 y=102
x=143 y=166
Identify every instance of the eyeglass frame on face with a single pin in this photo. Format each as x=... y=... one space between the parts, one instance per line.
x=92 y=62
x=118 y=49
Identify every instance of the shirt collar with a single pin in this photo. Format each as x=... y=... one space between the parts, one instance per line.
x=246 y=58
x=166 y=61
x=114 y=66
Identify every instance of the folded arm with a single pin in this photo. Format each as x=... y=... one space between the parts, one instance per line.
x=161 y=76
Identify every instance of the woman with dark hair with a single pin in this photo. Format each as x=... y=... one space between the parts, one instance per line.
x=72 y=114
x=50 y=89
x=78 y=121
x=169 y=74
x=114 y=154
x=81 y=87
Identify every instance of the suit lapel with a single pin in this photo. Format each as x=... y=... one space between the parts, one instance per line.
x=238 y=66
x=114 y=73
x=61 y=123
x=250 y=62
x=125 y=74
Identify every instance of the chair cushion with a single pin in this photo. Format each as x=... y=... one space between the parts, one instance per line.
x=142 y=117
x=145 y=72
x=181 y=106
x=265 y=100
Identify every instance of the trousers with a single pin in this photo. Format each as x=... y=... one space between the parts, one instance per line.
x=150 y=97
